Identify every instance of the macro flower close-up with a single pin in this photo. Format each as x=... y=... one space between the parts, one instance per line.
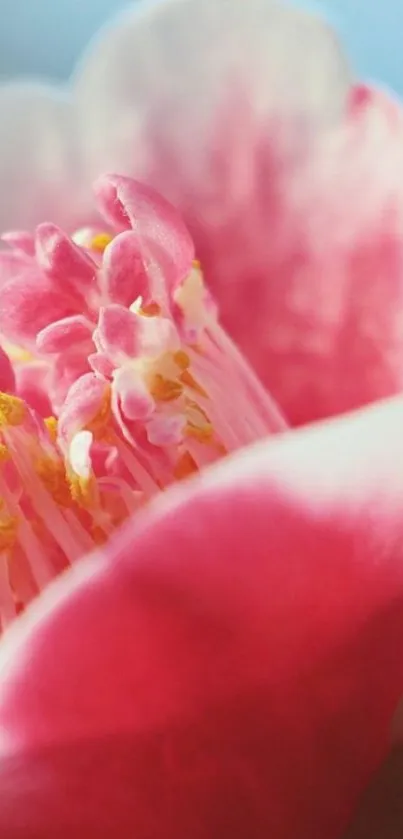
x=201 y=449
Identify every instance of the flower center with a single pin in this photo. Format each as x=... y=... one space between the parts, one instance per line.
x=146 y=389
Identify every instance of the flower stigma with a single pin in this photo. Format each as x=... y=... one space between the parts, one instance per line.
x=145 y=387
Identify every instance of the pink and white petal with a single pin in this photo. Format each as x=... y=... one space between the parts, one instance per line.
x=41 y=172
x=163 y=239
x=29 y=303
x=14 y=264
x=229 y=126
x=101 y=363
x=118 y=333
x=135 y=401
x=123 y=277
x=61 y=258
x=64 y=334
x=148 y=70
x=84 y=402
x=22 y=241
x=236 y=654
x=65 y=371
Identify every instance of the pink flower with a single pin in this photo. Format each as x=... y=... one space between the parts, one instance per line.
x=227 y=661
x=287 y=176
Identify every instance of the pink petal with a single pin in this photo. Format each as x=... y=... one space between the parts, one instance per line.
x=235 y=657
x=134 y=398
x=123 y=276
x=61 y=258
x=29 y=303
x=21 y=240
x=148 y=70
x=41 y=173
x=101 y=363
x=13 y=264
x=65 y=334
x=161 y=233
x=83 y=402
x=66 y=369
x=118 y=332
x=298 y=229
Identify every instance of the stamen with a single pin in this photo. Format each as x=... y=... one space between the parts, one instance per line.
x=156 y=390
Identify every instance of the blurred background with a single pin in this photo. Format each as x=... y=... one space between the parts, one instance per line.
x=44 y=37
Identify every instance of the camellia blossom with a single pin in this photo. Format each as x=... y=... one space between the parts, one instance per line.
x=201 y=606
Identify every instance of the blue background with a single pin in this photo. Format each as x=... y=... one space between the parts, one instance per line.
x=44 y=37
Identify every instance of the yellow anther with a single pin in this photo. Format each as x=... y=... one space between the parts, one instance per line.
x=185 y=467
x=151 y=310
x=196 y=264
x=165 y=390
x=53 y=476
x=98 y=425
x=100 y=242
x=182 y=359
x=8 y=532
x=4 y=453
x=51 y=425
x=202 y=433
x=12 y=410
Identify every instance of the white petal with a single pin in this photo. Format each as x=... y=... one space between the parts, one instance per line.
x=40 y=169
x=166 y=69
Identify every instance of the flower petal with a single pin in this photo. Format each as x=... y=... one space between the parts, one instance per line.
x=40 y=169
x=62 y=335
x=172 y=66
x=29 y=303
x=122 y=276
x=162 y=236
x=61 y=258
x=84 y=403
x=298 y=228
x=118 y=333
x=236 y=656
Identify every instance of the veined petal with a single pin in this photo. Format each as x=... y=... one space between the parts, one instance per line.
x=261 y=613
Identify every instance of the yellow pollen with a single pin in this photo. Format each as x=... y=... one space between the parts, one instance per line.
x=100 y=242
x=53 y=476
x=196 y=264
x=185 y=467
x=182 y=359
x=8 y=532
x=51 y=425
x=12 y=410
x=165 y=390
x=4 y=453
x=202 y=433
x=151 y=310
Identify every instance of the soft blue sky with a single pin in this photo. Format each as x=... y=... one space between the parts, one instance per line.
x=45 y=36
